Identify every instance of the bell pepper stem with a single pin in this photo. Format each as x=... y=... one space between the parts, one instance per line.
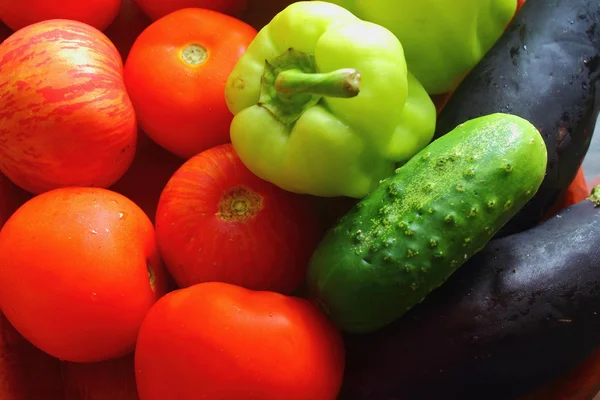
x=343 y=83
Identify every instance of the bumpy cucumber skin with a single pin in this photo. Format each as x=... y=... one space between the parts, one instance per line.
x=413 y=231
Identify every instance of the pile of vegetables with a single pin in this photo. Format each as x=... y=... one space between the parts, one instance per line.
x=315 y=200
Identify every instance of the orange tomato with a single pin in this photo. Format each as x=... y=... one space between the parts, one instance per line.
x=217 y=341
x=520 y=4
x=65 y=116
x=106 y=380
x=577 y=191
x=20 y=13
x=156 y=9
x=216 y=221
x=176 y=74
x=80 y=269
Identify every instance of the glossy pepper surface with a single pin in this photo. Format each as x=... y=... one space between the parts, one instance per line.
x=324 y=103
x=442 y=39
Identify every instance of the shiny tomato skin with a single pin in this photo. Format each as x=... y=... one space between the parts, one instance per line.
x=77 y=267
x=18 y=14
x=216 y=221
x=216 y=341
x=156 y=9
x=65 y=116
x=179 y=105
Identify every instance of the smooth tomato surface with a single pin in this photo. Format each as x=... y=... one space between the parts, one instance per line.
x=20 y=13
x=176 y=74
x=216 y=341
x=65 y=116
x=156 y=9
x=216 y=221
x=80 y=269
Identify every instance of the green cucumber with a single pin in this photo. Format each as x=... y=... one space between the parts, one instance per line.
x=422 y=223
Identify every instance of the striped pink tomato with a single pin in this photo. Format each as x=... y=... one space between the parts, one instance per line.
x=65 y=116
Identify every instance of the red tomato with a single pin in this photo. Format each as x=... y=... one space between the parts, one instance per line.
x=20 y=13
x=216 y=221
x=217 y=341
x=156 y=9
x=176 y=74
x=520 y=4
x=150 y=171
x=128 y=25
x=65 y=116
x=80 y=269
x=26 y=373
x=107 y=380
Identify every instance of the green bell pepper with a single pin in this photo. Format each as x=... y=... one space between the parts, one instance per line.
x=442 y=39
x=323 y=103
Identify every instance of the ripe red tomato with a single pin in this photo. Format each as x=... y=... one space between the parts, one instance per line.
x=97 y=13
x=106 y=380
x=216 y=221
x=26 y=372
x=176 y=74
x=21 y=13
x=65 y=116
x=217 y=341
x=520 y=4
x=150 y=171
x=80 y=269
x=156 y=9
x=128 y=25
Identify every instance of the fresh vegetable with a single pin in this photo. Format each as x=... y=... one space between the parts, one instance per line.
x=323 y=103
x=156 y=9
x=65 y=116
x=257 y=346
x=216 y=221
x=176 y=73
x=519 y=314
x=442 y=41
x=544 y=69
x=80 y=269
x=18 y=14
x=422 y=223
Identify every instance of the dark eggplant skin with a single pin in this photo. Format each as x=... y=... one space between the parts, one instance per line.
x=518 y=315
x=545 y=69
